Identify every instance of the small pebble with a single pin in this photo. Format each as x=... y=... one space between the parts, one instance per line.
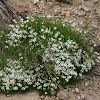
x=42 y=97
x=78 y=97
x=76 y=90
x=67 y=14
x=82 y=97
x=95 y=1
x=8 y=95
x=53 y=97
x=86 y=84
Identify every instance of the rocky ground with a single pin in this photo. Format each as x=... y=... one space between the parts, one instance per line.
x=83 y=15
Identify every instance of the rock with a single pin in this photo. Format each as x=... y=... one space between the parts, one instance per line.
x=63 y=13
x=66 y=1
x=66 y=95
x=8 y=95
x=76 y=90
x=83 y=7
x=50 y=0
x=98 y=39
x=6 y=15
x=94 y=25
x=80 y=13
x=47 y=98
x=67 y=14
x=62 y=95
x=97 y=49
x=36 y=2
x=22 y=5
x=53 y=97
x=95 y=1
x=71 y=86
x=50 y=4
x=82 y=97
x=53 y=92
x=87 y=83
x=49 y=16
x=57 y=98
x=59 y=16
x=78 y=97
x=83 y=77
x=83 y=24
x=86 y=8
x=73 y=90
x=86 y=17
x=42 y=97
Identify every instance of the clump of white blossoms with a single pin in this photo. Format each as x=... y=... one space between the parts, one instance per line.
x=44 y=56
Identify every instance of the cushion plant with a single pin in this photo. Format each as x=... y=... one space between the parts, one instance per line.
x=44 y=55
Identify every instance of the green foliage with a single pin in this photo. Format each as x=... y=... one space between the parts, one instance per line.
x=44 y=55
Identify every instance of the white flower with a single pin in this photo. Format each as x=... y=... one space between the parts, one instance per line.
x=67 y=79
x=56 y=35
x=74 y=24
x=19 y=84
x=15 y=88
x=3 y=88
x=23 y=88
x=20 y=58
x=63 y=24
x=80 y=74
x=6 y=46
x=42 y=30
x=14 y=20
x=94 y=45
x=34 y=40
x=29 y=83
x=43 y=37
x=55 y=28
x=28 y=17
x=12 y=26
x=98 y=57
x=46 y=93
x=1 y=73
x=39 y=87
x=15 y=40
x=7 y=87
x=20 y=54
x=21 y=20
x=22 y=25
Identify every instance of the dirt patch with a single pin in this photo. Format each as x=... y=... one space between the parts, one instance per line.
x=28 y=96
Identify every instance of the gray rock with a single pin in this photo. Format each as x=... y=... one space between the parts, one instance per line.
x=6 y=14
x=83 y=77
x=82 y=97
x=85 y=8
x=53 y=92
x=95 y=1
x=50 y=4
x=47 y=98
x=36 y=2
x=78 y=97
x=66 y=1
x=80 y=13
x=73 y=90
x=83 y=24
